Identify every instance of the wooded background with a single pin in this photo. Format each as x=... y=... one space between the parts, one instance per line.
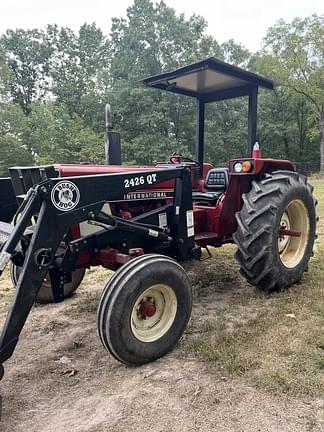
x=55 y=82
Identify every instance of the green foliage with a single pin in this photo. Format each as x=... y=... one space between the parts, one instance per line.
x=56 y=136
x=77 y=62
x=12 y=128
x=154 y=39
x=226 y=130
x=4 y=76
x=294 y=54
x=55 y=82
x=286 y=125
x=49 y=134
x=27 y=57
x=235 y=53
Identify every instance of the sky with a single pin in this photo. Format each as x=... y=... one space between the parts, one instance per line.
x=246 y=21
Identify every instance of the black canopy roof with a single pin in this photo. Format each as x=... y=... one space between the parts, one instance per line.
x=209 y=80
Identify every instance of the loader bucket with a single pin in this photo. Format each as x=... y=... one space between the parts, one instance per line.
x=8 y=202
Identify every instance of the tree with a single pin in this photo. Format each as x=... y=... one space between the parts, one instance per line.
x=54 y=85
x=12 y=128
x=294 y=53
x=27 y=56
x=151 y=40
x=77 y=64
x=4 y=77
x=235 y=53
x=284 y=126
x=53 y=135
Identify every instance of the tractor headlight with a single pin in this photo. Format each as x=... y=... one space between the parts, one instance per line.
x=247 y=166
x=237 y=167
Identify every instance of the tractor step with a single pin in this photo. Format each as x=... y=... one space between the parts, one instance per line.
x=205 y=236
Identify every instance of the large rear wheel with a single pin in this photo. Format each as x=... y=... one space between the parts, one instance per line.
x=276 y=230
x=144 y=309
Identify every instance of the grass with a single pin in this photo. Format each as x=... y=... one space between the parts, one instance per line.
x=88 y=301
x=86 y=304
x=274 y=341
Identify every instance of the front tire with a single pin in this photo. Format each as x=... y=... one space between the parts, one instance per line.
x=281 y=203
x=144 y=309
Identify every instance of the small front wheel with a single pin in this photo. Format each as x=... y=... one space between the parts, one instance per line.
x=144 y=309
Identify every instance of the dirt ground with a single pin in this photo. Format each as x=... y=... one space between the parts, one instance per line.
x=176 y=393
x=247 y=362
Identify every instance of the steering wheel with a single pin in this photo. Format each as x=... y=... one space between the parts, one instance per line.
x=176 y=158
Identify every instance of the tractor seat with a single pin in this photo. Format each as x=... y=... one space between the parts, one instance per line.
x=216 y=182
x=206 y=197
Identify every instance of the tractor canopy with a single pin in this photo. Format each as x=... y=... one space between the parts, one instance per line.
x=212 y=80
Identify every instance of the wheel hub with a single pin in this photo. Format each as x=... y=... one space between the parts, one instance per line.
x=147 y=309
x=284 y=225
x=153 y=313
x=293 y=232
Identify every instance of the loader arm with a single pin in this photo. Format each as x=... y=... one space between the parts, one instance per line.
x=58 y=204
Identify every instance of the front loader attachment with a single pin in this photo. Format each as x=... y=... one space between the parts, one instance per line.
x=8 y=201
x=61 y=203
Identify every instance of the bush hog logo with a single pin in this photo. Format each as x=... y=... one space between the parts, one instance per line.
x=65 y=195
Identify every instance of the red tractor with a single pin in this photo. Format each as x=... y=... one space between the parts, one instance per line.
x=143 y=220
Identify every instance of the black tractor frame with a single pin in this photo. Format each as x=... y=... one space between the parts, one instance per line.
x=53 y=226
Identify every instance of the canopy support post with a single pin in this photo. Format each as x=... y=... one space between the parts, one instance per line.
x=252 y=119
x=200 y=132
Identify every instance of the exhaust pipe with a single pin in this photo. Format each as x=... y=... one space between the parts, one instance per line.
x=112 y=140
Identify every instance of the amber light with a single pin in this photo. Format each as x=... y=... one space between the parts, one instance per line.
x=246 y=166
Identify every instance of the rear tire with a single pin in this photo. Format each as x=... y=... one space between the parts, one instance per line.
x=45 y=294
x=144 y=309
x=268 y=260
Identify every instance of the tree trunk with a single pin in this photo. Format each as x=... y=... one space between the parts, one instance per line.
x=321 y=125
x=286 y=147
